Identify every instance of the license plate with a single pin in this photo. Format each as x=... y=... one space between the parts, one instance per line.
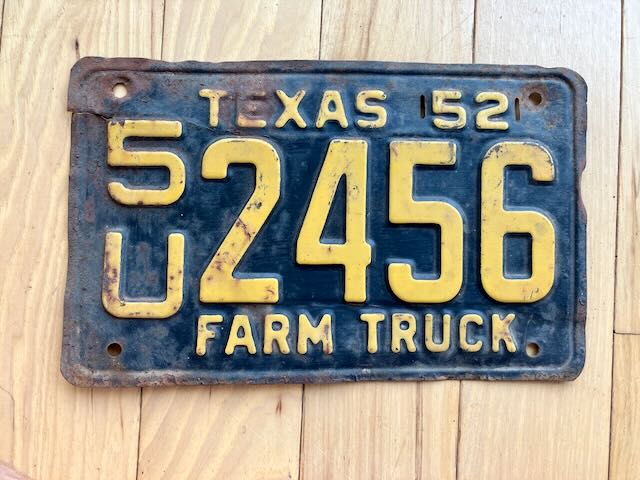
x=267 y=222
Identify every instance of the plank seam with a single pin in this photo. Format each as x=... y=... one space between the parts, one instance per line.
x=460 y=383
x=419 y=430
x=473 y=32
x=301 y=444
x=164 y=13
x=615 y=270
x=320 y=36
x=459 y=430
x=141 y=390
x=139 y=434
x=613 y=360
x=621 y=74
x=2 y=23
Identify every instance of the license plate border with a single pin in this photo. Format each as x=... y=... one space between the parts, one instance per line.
x=79 y=102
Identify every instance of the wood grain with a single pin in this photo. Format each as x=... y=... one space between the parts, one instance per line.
x=228 y=431
x=220 y=432
x=241 y=30
x=49 y=428
x=386 y=430
x=628 y=260
x=625 y=433
x=557 y=430
x=406 y=30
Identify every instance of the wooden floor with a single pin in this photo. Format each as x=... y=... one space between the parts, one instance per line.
x=587 y=429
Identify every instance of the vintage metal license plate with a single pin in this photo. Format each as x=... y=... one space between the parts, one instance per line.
x=323 y=221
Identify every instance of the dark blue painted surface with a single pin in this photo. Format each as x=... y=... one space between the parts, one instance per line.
x=163 y=351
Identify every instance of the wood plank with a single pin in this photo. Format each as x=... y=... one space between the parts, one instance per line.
x=558 y=428
x=49 y=428
x=387 y=430
x=228 y=431
x=218 y=31
x=625 y=422
x=628 y=260
x=243 y=431
x=407 y=30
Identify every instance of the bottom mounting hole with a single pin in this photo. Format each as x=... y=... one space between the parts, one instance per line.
x=533 y=349
x=114 y=349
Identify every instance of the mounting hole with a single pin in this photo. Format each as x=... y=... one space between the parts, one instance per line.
x=533 y=349
x=535 y=98
x=114 y=349
x=119 y=90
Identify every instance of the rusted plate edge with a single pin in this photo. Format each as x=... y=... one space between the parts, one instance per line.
x=79 y=101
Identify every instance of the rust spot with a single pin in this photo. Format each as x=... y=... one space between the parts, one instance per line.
x=90 y=210
x=243 y=226
x=327 y=333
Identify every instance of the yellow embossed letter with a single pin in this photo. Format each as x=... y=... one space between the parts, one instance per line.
x=464 y=321
x=320 y=333
x=246 y=340
x=272 y=335
x=290 y=112
x=335 y=114
x=214 y=97
x=113 y=302
x=399 y=334
x=204 y=333
x=500 y=332
x=372 y=319
x=378 y=110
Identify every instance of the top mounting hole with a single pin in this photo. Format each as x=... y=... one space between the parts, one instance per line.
x=535 y=98
x=114 y=349
x=119 y=90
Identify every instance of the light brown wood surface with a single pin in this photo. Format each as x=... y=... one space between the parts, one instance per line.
x=567 y=425
x=628 y=261
x=625 y=440
x=440 y=430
